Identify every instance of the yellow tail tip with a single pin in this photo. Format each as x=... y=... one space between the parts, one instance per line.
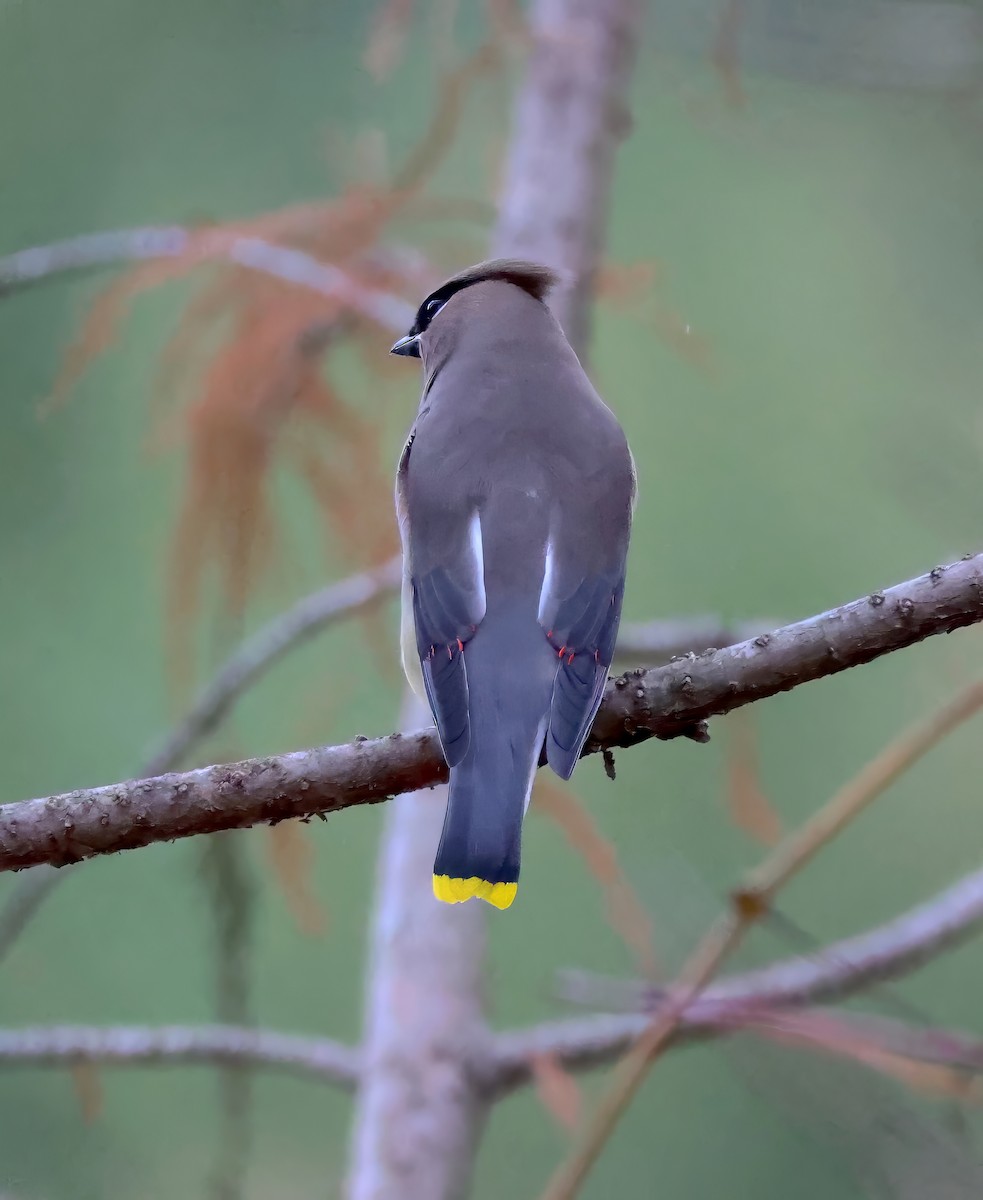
x=455 y=891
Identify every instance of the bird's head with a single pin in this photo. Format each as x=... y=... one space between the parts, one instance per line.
x=532 y=278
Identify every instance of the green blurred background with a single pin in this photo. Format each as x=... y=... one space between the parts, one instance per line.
x=824 y=240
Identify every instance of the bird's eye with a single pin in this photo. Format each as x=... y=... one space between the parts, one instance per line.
x=434 y=306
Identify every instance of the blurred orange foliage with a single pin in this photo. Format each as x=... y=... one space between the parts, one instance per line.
x=243 y=382
x=725 y=53
x=87 y=1083
x=558 y=1091
x=634 y=288
x=819 y=1030
x=750 y=809
x=291 y=855
x=626 y=914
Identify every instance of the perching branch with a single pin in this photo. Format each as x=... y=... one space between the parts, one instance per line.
x=643 y=641
x=669 y=701
x=662 y=702
x=834 y=972
x=177 y=1045
x=655 y=641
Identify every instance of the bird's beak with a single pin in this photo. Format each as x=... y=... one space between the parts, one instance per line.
x=408 y=346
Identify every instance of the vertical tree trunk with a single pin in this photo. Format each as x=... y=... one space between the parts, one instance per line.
x=419 y=1113
x=570 y=116
x=419 y=1116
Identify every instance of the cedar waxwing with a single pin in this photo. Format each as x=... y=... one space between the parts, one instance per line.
x=514 y=495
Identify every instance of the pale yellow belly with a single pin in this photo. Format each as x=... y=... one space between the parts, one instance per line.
x=407 y=642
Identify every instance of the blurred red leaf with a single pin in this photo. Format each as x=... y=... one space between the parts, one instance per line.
x=827 y=1032
x=558 y=1091
x=87 y=1083
x=634 y=289
x=725 y=53
x=749 y=807
x=388 y=37
x=292 y=857
x=508 y=21
x=245 y=379
x=625 y=912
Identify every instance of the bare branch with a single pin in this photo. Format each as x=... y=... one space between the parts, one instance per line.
x=833 y=973
x=78 y=825
x=208 y=245
x=177 y=1045
x=668 y=701
x=717 y=944
x=870 y=1039
x=663 y=702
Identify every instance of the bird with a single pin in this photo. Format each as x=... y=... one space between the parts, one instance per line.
x=515 y=492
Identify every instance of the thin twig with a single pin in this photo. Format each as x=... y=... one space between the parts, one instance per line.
x=722 y=938
x=750 y=903
x=833 y=972
x=663 y=702
x=207 y=245
x=864 y=1036
x=323 y=1060
x=177 y=1045
x=795 y=851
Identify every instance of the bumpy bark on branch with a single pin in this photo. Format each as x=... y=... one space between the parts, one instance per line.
x=662 y=702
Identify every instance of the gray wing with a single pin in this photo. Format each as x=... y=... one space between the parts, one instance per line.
x=581 y=617
x=580 y=603
x=445 y=595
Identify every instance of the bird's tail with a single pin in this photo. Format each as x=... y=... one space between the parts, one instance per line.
x=509 y=688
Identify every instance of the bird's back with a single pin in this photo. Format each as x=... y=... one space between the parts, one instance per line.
x=512 y=426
